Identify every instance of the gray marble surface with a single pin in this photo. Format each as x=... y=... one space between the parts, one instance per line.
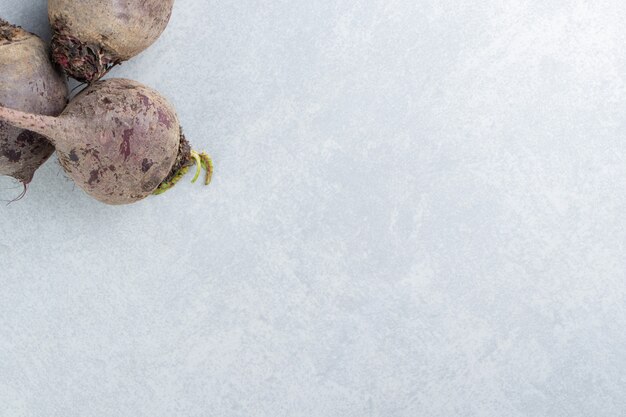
x=418 y=210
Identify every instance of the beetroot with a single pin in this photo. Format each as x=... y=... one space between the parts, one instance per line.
x=92 y=36
x=28 y=82
x=119 y=140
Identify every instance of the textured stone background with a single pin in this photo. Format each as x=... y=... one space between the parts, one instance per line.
x=418 y=211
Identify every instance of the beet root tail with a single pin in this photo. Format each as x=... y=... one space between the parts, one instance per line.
x=47 y=126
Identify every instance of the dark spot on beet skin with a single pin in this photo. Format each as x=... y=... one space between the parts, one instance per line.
x=12 y=155
x=94 y=176
x=112 y=168
x=73 y=156
x=125 y=146
x=26 y=137
x=164 y=119
x=93 y=152
x=106 y=100
x=145 y=100
x=146 y=164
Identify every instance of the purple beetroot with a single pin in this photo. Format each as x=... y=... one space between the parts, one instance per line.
x=92 y=36
x=28 y=82
x=119 y=140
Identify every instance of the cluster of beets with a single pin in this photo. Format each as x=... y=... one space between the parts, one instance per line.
x=119 y=140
